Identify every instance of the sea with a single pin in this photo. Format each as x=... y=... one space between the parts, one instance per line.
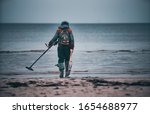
x=101 y=50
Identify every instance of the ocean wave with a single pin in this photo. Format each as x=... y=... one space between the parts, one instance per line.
x=93 y=51
x=41 y=73
x=25 y=51
x=122 y=51
x=28 y=73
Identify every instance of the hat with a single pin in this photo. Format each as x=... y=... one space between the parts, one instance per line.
x=64 y=24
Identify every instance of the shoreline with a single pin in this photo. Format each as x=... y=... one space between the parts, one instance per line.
x=76 y=87
x=74 y=74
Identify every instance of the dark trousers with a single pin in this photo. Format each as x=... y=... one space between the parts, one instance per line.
x=63 y=56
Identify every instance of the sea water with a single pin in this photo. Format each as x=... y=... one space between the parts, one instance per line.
x=100 y=50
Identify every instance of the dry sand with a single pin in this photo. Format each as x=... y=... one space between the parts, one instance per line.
x=75 y=87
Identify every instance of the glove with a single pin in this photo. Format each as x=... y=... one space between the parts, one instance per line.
x=55 y=43
x=50 y=44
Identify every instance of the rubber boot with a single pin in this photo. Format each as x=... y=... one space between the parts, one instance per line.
x=67 y=74
x=61 y=69
x=61 y=74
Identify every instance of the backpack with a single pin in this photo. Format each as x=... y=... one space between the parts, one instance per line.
x=64 y=37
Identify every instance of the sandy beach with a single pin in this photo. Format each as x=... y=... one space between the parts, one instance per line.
x=75 y=87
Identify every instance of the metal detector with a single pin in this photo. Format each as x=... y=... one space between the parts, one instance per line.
x=30 y=67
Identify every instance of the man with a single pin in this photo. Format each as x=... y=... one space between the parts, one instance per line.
x=65 y=40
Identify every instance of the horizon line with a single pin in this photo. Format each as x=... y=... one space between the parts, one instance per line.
x=74 y=23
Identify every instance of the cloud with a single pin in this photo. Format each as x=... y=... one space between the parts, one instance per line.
x=96 y=11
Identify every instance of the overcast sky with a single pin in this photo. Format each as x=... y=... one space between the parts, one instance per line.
x=75 y=11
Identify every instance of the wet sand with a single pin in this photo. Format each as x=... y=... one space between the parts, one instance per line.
x=75 y=87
